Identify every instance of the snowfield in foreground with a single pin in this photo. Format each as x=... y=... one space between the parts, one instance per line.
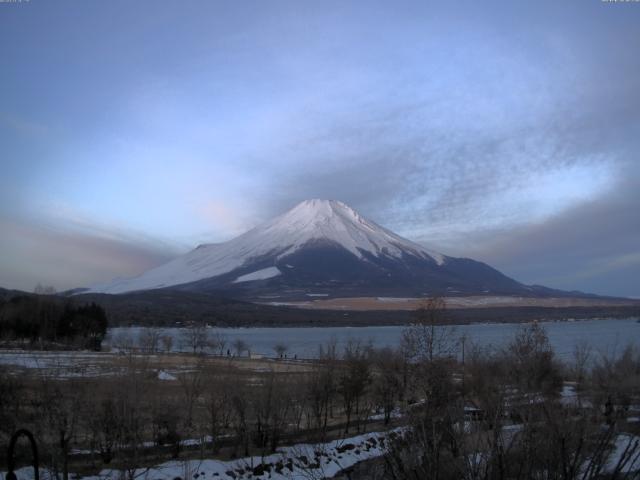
x=302 y=461
x=308 y=461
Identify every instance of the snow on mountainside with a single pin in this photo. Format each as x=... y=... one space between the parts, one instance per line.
x=263 y=274
x=312 y=221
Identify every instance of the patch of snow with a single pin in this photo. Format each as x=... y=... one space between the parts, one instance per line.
x=81 y=451
x=162 y=375
x=464 y=427
x=394 y=299
x=193 y=442
x=568 y=395
x=631 y=462
x=395 y=413
x=570 y=398
x=508 y=433
x=263 y=274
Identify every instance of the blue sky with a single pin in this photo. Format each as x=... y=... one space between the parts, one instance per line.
x=505 y=131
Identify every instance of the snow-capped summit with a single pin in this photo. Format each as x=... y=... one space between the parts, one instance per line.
x=318 y=245
x=334 y=221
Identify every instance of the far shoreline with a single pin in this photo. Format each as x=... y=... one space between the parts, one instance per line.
x=394 y=318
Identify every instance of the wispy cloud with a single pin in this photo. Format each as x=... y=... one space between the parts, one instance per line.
x=502 y=130
x=68 y=255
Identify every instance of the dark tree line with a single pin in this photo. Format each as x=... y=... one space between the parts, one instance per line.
x=39 y=319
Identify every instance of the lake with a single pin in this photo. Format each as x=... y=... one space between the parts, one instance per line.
x=606 y=336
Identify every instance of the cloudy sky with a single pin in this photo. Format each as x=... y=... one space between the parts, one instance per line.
x=508 y=132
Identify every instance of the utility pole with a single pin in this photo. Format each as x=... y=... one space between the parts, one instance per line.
x=463 y=340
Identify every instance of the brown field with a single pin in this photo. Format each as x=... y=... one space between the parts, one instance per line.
x=395 y=304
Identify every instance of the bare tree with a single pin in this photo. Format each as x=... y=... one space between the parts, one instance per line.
x=61 y=406
x=240 y=420
x=617 y=381
x=127 y=410
x=123 y=341
x=240 y=346
x=192 y=387
x=167 y=343
x=195 y=337
x=218 y=392
x=322 y=388
x=387 y=381
x=353 y=380
x=430 y=335
x=430 y=448
x=107 y=425
x=531 y=361
x=217 y=342
x=582 y=354
x=521 y=430
x=269 y=407
x=12 y=406
x=149 y=340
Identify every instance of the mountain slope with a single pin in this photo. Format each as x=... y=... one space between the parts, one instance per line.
x=320 y=247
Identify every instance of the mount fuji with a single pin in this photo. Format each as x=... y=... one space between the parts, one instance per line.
x=322 y=248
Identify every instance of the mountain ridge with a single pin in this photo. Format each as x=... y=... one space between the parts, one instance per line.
x=322 y=247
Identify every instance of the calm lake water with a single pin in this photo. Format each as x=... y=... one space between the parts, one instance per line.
x=606 y=336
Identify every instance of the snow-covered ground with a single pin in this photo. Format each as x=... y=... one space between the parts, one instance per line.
x=297 y=462
x=64 y=365
x=306 y=461
x=620 y=456
x=59 y=364
x=162 y=375
x=38 y=359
